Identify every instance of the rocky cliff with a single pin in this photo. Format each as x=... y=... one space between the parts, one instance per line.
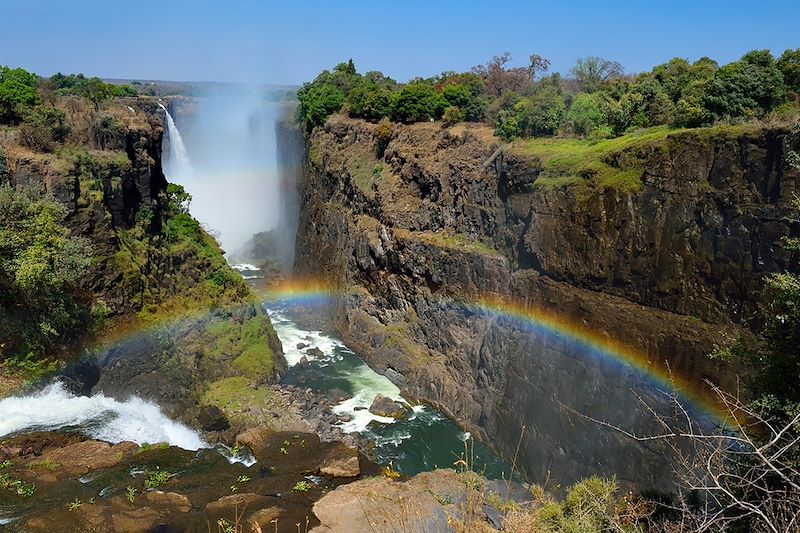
x=171 y=320
x=659 y=242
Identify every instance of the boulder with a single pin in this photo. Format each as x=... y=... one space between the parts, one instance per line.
x=254 y=438
x=172 y=500
x=315 y=352
x=304 y=362
x=383 y=406
x=342 y=462
x=301 y=345
x=228 y=505
x=211 y=418
x=83 y=457
x=263 y=518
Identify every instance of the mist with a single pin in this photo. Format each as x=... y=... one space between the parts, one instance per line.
x=232 y=168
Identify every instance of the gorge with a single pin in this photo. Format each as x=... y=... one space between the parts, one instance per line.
x=423 y=311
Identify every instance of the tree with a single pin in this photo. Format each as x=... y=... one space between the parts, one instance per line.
x=538 y=65
x=748 y=87
x=541 y=114
x=17 y=93
x=416 y=102
x=368 y=100
x=588 y=114
x=317 y=103
x=592 y=71
x=499 y=79
x=789 y=65
x=96 y=91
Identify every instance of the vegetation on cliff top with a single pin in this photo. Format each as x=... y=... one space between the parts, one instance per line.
x=598 y=101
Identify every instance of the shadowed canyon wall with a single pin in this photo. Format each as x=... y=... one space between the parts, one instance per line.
x=409 y=224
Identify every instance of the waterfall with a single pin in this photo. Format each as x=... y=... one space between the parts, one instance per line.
x=177 y=165
x=98 y=416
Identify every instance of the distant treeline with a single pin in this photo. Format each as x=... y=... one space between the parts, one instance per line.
x=597 y=100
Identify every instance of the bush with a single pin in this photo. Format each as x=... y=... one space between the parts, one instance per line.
x=108 y=133
x=43 y=128
x=541 y=114
x=383 y=134
x=452 y=115
x=589 y=112
x=40 y=264
x=748 y=87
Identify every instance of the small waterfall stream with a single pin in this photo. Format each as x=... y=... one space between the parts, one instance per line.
x=178 y=165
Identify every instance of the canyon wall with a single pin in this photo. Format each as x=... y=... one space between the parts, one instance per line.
x=409 y=224
x=170 y=318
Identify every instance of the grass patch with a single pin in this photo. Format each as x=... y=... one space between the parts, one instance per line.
x=616 y=163
x=442 y=239
x=232 y=395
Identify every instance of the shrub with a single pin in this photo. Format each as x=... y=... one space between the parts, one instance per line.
x=452 y=115
x=108 y=133
x=40 y=264
x=383 y=134
x=589 y=112
x=43 y=128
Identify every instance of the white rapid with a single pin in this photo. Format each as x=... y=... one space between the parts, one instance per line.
x=178 y=165
x=364 y=383
x=102 y=418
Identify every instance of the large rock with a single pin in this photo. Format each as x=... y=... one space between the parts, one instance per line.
x=86 y=456
x=383 y=406
x=342 y=462
x=229 y=505
x=211 y=418
x=424 y=503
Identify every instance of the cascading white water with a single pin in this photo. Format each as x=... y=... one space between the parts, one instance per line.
x=98 y=416
x=178 y=166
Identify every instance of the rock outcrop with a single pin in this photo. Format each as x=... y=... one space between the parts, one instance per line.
x=419 y=237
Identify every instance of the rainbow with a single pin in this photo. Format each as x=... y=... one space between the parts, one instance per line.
x=542 y=321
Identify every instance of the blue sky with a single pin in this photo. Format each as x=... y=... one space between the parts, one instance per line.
x=289 y=42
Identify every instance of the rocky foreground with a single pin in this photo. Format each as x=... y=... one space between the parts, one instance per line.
x=62 y=482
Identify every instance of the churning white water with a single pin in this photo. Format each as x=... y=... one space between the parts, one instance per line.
x=362 y=381
x=99 y=417
x=178 y=166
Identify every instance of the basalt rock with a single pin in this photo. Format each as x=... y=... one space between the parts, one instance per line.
x=429 y=242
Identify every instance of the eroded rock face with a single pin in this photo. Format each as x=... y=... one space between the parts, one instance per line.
x=444 y=218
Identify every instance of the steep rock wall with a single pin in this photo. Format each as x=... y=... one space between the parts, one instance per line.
x=443 y=216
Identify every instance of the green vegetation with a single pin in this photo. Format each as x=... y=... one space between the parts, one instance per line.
x=443 y=239
x=302 y=486
x=17 y=486
x=597 y=101
x=40 y=264
x=156 y=478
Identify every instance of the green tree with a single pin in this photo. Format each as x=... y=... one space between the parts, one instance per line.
x=748 y=87
x=96 y=91
x=368 y=100
x=588 y=114
x=542 y=113
x=789 y=65
x=416 y=102
x=317 y=103
x=17 y=93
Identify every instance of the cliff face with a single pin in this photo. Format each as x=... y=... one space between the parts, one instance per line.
x=440 y=216
x=176 y=318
